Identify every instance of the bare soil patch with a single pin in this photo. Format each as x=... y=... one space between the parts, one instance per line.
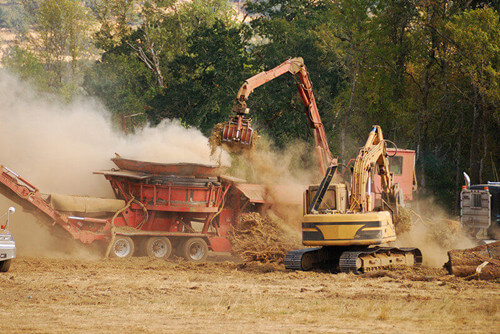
x=147 y=295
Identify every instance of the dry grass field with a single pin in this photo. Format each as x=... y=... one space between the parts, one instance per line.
x=146 y=295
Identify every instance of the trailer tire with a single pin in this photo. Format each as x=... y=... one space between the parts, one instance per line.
x=194 y=250
x=5 y=265
x=122 y=247
x=158 y=247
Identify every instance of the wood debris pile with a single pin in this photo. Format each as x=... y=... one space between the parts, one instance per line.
x=259 y=239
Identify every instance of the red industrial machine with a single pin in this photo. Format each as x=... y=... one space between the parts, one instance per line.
x=237 y=132
x=159 y=208
x=402 y=166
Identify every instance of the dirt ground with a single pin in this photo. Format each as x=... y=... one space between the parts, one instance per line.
x=147 y=295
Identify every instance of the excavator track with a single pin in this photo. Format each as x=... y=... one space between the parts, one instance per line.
x=302 y=259
x=326 y=258
x=378 y=258
x=356 y=260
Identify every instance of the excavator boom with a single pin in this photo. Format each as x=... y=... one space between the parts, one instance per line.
x=238 y=133
x=372 y=155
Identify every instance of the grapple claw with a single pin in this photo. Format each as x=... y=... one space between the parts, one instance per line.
x=237 y=132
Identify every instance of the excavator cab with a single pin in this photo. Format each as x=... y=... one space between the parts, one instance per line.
x=335 y=199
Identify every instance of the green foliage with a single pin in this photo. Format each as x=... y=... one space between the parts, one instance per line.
x=121 y=82
x=141 y=41
x=3 y=21
x=58 y=39
x=404 y=69
x=205 y=79
x=116 y=18
x=282 y=30
x=28 y=67
x=476 y=50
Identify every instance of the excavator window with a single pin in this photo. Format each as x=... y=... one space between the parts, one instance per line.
x=396 y=165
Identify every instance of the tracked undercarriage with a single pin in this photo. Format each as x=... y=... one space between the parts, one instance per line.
x=359 y=260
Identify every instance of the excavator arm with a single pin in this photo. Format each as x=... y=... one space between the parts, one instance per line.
x=292 y=65
x=238 y=131
x=373 y=154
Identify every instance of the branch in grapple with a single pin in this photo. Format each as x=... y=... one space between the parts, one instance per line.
x=230 y=144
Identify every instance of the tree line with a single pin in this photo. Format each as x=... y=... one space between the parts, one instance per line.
x=427 y=71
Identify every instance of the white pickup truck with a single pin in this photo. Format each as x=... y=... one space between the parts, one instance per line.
x=7 y=243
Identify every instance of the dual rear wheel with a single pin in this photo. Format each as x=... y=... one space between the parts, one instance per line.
x=192 y=249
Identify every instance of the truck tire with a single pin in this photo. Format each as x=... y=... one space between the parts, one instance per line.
x=5 y=265
x=122 y=247
x=158 y=247
x=194 y=249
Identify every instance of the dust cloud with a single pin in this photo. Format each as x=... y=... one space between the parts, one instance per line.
x=434 y=232
x=57 y=146
x=36 y=239
x=285 y=174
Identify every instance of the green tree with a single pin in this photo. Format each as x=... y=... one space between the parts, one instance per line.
x=116 y=19
x=3 y=22
x=206 y=78
x=403 y=68
x=139 y=51
x=346 y=38
x=474 y=37
x=283 y=30
x=59 y=39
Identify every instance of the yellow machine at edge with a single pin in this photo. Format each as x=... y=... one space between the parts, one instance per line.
x=350 y=223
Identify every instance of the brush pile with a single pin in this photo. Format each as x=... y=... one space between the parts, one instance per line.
x=259 y=239
x=482 y=262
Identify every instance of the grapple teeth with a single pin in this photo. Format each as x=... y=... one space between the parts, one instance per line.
x=237 y=132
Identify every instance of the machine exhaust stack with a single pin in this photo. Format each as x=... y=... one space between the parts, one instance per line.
x=467 y=180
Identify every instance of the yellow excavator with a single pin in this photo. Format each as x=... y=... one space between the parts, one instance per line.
x=350 y=225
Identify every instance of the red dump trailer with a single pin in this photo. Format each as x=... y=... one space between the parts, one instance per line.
x=158 y=210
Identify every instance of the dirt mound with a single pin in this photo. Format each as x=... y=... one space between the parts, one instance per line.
x=260 y=239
